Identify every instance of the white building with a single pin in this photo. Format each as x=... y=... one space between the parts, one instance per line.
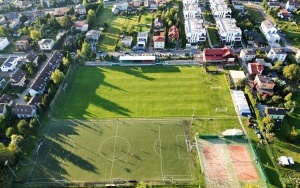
x=10 y=64
x=190 y=2
x=46 y=44
x=191 y=11
x=159 y=42
x=270 y=32
x=220 y=9
x=142 y=36
x=238 y=6
x=15 y=23
x=3 y=43
x=228 y=30
x=81 y=25
x=126 y=41
x=297 y=56
x=247 y=54
x=80 y=9
x=277 y=54
x=194 y=30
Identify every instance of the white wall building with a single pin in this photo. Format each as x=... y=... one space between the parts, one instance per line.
x=220 y=9
x=277 y=54
x=191 y=11
x=158 y=42
x=194 y=30
x=247 y=54
x=10 y=64
x=238 y=6
x=142 y=36
x=228 y=30
x=46 y=44
x=269 y=31
x=190 y=2
x=3 y=43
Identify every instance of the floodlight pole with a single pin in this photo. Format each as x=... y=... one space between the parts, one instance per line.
x=193 y=115
x=6 y=164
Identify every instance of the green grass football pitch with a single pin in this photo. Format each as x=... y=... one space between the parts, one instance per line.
x=100 y=151
x=156 y=91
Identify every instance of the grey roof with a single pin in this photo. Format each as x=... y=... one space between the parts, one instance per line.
x=69 y=40
x=265 y=79
x=5 y=98
x=31 y=56
x=2 y=107
x=35 y=100
x=279 y=50
x=45 y=41
x=268 y=24
x=12 y=15
x=255 y=35
x=248 y=51
x=52 y=64
x=23 y=109
x=275 y=111
x=17 y=75
x=8 y=61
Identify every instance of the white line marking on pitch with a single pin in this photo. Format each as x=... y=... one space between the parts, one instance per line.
x=112 y=162
x=161 y=159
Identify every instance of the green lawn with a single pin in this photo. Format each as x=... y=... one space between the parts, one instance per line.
x=255 y=14
x=117 y=24
x=157 y=91
x=99 y=151
x=213 y=35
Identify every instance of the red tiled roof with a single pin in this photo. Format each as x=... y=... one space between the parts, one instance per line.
x=256 y=68
x=218 y=54
x=173 y=32
x=158 y=38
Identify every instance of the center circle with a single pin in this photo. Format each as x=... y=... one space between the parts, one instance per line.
x=114 y=148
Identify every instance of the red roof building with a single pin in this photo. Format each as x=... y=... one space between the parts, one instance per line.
x=173 y=33
x=255 y=68
x=218 y=55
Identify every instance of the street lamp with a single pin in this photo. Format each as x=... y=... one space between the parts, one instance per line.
x=6 y=164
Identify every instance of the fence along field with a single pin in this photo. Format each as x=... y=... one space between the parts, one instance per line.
x=160 y=91
x=107 y=151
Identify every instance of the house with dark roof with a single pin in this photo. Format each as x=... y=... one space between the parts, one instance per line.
x=2 y=82
x=173 y=33
x=80 y=9
x=219 y=55
x=12 y=16
x=292 y=5
x=35 y=100
x=276 y=113
x=255 y=68
x=69 y=40
x=254 y=38
x=3 y=109
x=32 y=57
x=24 y=110
x=38 y=86
x=264 y=85
x=6 y=99
x=18 y=78
x=9 y=64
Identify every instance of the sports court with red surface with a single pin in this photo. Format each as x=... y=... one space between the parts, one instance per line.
x=228 y=163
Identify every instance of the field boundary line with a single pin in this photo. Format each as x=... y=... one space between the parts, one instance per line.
x=155 y=146
x=112 y=162
x=47 y=152
x=68 y=98
x=182 y=158
x=161 y=159
x=191 y=172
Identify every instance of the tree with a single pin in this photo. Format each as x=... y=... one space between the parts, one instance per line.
x=66 y=62
x=293 y=135
x=268 y=123
x=91 y=17
x=23 y=18
x=291 y=72
x=65 y=21
x=10 y=131
x=241 y=83
x=276 y=99
x=57 y=76
x=86 y=49
x=53 y=23
x=3 y=31
x=288 y=97
x=35 y=35
x=16 y=142
x=70 y=11
x=6 y=154
x=84 y=2
x=23 y=127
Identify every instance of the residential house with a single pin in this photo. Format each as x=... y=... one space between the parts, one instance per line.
x=255 y=68
x=60 y=12
x=22 y=4
x=32 y=57
x=238 y=6
x=228 y=30
x=22 y=45
x=18 y=78
x=122 y=6
x=220 y=9
x=159 y=41
x=6 y=99
x=277 y=54
x=254 y=38
x=81 y=25
x=190 y=2
x=194 y=30
x=2 y=82
x=92 y=35
x=2 y=20
x=80 y=9
x=115 y=9
x=35 y=100
x=264 y=85
x=219 y=55
x=173 y=33
x=126 y=40
x=69 y=40
x=247 y=55
x=24 y=110
x=3 y=109
x=12 y=16
x=136 y=3
x=292 y=5
x=276 y=113
x=10 y=64
x=274 y=5
x=46 y=44
x=283 y=13
x=38 y=86
x=297 y=56
x=142 y=39
x=14 y=23
x=3 y=43
x=191 y=11
x=60 y=34
x=158 y=23
x=270 y=32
